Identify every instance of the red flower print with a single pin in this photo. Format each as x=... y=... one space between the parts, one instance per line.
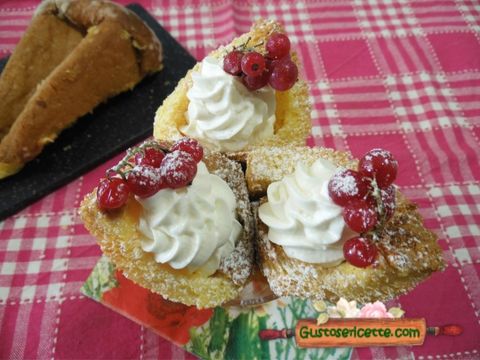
x=171 y=320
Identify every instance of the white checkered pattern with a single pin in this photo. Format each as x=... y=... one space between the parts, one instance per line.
x=470 y=10
x=424 y=101
x=436 y=16
x=458 y=207
x=466 y=89
x=294 y=16
x=36 y=273
x=400 y=55
x=363 y=106
x=333 y=21
x=387 y=18
x=325 y=111
x=192 y=26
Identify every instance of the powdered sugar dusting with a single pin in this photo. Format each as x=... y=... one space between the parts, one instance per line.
x=408 y=252
x=178 y=167
x=382 y=153
x=268 y=164
x=238 y=266
x=148 y=175
x=344 y=183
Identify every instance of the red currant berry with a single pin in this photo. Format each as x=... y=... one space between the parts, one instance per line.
x=112 y=193
x=178 y=169
x=271 y=63
x=232 y=62
x=380 y=165
x=346 y=186
x=255 y=82
x=278 y=46
x=144 y=180
x=190 y=146
x=360 y=216
x=388 y=201
x=149 y=156
x=360 y=251
x=284 y=75
x=253 y=64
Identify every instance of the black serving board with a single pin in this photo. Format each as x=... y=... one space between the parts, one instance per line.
x=112 y=127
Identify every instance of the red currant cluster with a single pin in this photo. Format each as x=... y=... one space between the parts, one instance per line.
x=275 y=68
x=147 y=169
x=368 y=200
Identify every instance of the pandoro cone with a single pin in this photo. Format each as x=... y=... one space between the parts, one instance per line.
x=120 y=239
x=73 y=56
x=293 y=120
x=408 y=252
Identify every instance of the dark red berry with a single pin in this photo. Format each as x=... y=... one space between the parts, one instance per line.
x=284 y=75
x=346 y=186
x=360 y=216
x=178 y=169
x=112 y=193
x=190 y=146
x=380 y=165
x=149 y=156
x=144 y=180
x=360 y=252
x=277 y=46
x=253 y=64
x=256 y=82
x=271 y=63
x=388 y=201
x=232 y=62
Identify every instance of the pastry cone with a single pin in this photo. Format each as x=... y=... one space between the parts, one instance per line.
x=292 y=124
x=73 y=56
x=119 y=238
x=408 y=253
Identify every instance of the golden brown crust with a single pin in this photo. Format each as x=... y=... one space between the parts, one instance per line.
x=119 y=239
x=293 y=123
x=271 y=163
x=408 y=252
x=106 y=50
x=85 y=14
x=31 y=62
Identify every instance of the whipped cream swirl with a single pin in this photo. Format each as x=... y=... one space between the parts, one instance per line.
x=223 y=114
x=194 y=227
x=303 y=219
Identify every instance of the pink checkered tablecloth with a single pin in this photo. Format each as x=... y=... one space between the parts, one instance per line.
x=403 y=75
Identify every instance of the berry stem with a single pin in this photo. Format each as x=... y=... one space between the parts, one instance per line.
x=259 y=44
x=131 y=152
x=244 y=46
x=382 y=216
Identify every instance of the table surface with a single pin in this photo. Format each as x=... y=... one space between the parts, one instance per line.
x=402 y=75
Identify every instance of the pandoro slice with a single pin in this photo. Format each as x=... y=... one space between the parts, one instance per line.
x=408 y=252
x=119 y=238
x=73 y=56
x=293 y=121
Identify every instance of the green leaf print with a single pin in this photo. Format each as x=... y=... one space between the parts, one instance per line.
x=264 y=345
x=243 y=340
x=197 y=344
x=218 y=328
x=100 y=280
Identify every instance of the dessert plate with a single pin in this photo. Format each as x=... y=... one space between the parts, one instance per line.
x=112 y=127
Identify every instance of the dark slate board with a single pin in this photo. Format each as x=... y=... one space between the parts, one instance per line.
x=110 y=129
